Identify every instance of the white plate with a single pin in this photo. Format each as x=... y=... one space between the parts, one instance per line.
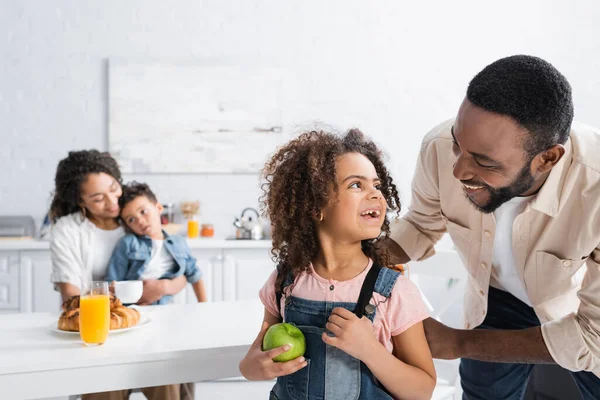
x=145 y=319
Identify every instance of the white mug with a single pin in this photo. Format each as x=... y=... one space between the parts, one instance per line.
x=129 y=292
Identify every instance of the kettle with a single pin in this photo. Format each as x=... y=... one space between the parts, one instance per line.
x=249 y=226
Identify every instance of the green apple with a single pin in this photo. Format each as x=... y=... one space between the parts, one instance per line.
x=281 y=334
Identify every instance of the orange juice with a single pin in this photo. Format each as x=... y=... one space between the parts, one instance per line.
x=94 y=318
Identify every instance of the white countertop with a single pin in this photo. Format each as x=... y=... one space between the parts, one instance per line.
x=182 y=343
x=212 y=243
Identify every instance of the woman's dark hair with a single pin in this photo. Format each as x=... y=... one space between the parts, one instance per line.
x=133 y=190
x=71 y=172
x=296 y=185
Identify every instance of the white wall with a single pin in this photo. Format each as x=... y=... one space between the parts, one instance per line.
x=392 y=68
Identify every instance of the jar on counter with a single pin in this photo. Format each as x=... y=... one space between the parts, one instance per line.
x=207 y=230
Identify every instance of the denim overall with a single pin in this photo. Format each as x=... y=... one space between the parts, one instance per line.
x=332 y=374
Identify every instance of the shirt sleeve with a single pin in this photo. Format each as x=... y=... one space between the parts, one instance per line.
x=67 y=266
x=422 y=227
x=406 y=306
x=192 y=272
x=119 y=263
x=574 y=340
x=268 y=297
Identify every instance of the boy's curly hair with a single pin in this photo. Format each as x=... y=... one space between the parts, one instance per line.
x=133 y=190
x=296 y=184
x=71 y=172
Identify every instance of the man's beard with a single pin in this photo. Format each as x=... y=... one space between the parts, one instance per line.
x=522 y=183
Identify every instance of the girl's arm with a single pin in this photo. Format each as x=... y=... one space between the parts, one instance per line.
x=258 y=365
x=407 y=374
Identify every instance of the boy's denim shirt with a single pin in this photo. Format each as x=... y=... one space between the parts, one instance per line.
x=132 y=254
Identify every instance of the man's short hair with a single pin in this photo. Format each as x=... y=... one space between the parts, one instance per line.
x=530 y=91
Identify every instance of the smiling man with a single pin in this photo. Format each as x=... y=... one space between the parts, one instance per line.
x=517 y=187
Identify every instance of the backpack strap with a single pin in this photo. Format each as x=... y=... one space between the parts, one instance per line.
x=366 y=291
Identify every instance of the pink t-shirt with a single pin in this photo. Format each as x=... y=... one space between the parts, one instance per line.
x=403 y=309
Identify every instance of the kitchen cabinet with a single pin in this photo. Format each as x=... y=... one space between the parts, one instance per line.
x=10 y=275
x=232 y=274
x=43 y=296
x=245 y=272
x=25 y=282
x=232 y=270
x=210 y=262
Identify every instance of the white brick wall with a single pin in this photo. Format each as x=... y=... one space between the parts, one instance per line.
x=394 y=68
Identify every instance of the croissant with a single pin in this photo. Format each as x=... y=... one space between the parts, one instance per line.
x=129 y=316
x=120 y=316
x=69 y=321
x=115 y=302
x=71 y=303
x=116 y=321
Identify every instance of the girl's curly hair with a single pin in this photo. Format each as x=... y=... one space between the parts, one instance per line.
x=72 y=172
x=296 y=185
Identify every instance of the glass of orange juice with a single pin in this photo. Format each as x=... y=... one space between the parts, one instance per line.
x=94 y=313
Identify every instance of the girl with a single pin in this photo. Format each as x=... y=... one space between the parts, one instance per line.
x=327 y=197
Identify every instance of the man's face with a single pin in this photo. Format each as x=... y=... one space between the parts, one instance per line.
x=492 y=163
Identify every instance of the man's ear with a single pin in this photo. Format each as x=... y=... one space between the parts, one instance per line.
x=546 y=160
x=159 y=207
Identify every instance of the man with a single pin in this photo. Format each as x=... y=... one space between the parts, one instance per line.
x=518 y=190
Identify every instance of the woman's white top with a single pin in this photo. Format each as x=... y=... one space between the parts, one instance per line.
x=80 y=250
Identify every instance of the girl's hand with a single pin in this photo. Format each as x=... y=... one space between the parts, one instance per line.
x=352 y=335
x=258 y=365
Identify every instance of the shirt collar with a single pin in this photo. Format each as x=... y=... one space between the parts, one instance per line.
x=148 y=238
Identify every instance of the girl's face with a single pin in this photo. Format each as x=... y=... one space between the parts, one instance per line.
x=100 y=194
x=358 y=211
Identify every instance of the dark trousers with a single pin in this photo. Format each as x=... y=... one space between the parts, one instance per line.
x=496 y=381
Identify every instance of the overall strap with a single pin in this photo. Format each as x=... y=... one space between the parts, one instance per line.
x=366 y=291
x=278 y=295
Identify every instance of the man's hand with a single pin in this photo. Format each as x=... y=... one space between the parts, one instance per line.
x=395 y=254
x=443 y=340
x=352 y=335
x=154 y=290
